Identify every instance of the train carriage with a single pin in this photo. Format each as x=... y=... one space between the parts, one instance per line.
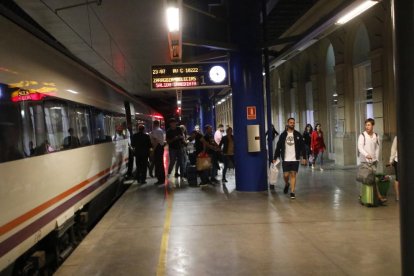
x=62 y=152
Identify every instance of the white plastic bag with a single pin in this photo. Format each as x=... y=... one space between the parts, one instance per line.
x=273 y=172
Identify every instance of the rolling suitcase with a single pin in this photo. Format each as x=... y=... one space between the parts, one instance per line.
x=368 y=192
x=192 y=175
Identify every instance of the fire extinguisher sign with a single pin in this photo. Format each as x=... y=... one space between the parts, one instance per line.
x=251 y=113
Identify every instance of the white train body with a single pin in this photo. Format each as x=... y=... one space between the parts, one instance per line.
x=39 y=193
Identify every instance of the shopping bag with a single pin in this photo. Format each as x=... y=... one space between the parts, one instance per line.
x=366 y=174
x=203 y=162
x=273 y=172
x=311 y=159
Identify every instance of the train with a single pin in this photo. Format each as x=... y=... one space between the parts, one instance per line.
x=63 y=152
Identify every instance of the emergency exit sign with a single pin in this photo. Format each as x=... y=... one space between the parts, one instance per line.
x=251 y=113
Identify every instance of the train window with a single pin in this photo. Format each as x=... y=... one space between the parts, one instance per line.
x=57 y=123
x=79 y=118
x=34 y=129
x=10 y=127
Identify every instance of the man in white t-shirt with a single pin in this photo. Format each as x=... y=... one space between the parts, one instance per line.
x=369 y=148
x=289 y=149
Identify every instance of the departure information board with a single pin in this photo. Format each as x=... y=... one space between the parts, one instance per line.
x=183 y=76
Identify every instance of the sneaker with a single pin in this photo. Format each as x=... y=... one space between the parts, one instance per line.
x=292 y=195
x=321 y=169
x=313 y=167
x=286 y=189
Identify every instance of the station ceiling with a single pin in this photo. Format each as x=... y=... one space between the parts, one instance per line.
x=122 y=39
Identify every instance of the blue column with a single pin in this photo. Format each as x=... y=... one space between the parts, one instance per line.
x=207 y=111
x=247 y=89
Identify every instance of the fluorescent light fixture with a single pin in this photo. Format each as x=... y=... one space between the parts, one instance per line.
x=173 y=19
x=72 y=91
x=56 y=107
x=307 y=44
x=278 y=63
x=365 y=5
x=335 y=95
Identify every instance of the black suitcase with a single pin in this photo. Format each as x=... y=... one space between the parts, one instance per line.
x=192 y=175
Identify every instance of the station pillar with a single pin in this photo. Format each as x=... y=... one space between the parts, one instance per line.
x=404 y=22
x=207 y=112
x=247 y=89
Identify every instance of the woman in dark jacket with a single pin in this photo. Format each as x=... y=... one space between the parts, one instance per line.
x=227 y=142
x=307 y=135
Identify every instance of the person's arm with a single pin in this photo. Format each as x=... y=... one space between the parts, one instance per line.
x=377 y=148
x=302 y=147
x=278 y=149
x=313 y=141
x=361 y=146
x=393 y=150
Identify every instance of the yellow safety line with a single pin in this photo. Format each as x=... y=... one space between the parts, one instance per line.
x=165 y=237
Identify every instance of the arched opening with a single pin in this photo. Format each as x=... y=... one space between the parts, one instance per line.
x=362 y=80
x=335 y=126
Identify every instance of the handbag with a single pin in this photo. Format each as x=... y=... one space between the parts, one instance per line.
x=203 y=162
x=366 y=174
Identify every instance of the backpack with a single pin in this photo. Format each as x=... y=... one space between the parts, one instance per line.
x=376 y=135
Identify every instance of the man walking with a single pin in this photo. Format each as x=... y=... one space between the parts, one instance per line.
x=157 y=141
x=141 y=144
x=289 y=149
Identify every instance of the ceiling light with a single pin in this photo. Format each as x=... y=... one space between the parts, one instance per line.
x=178 y=102
x=278 y=63
x=72 y=91
x=307 y=44
x=365 y=5
x=173 y=19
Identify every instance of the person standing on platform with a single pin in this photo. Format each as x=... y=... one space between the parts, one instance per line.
x=289 y=149
x=227 y=142
x=141 y=144
x=157 y=141
x=213 y=151
x=218 y=135
x=307 y=133
x=317 y=146
x=369 y=148
x=127 y=135
x=394 y=163
x=175 y=141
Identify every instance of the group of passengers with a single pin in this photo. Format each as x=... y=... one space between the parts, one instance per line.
x=309 y=147
x=148 y=151
x=219 y=146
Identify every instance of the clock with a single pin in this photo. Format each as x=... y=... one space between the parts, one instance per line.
x=217 y=74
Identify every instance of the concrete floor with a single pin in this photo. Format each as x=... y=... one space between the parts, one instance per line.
x=219 y=231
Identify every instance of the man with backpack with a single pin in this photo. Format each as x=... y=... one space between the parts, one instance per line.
x=369 y=148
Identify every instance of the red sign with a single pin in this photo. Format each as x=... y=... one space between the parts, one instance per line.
x=251 y=113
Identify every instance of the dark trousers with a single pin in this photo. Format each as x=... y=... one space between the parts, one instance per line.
x=159 y=163
x=176 y=157
x=142 y=164
x=130 y=162
x=227 y=160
